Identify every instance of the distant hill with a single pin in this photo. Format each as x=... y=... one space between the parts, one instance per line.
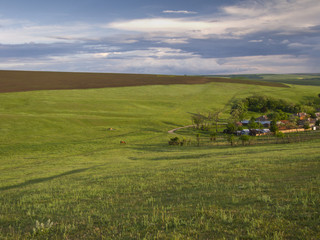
x=312 y=79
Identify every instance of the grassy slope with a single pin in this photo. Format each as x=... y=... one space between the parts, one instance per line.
x=59 y=162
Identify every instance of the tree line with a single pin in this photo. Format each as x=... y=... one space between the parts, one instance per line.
x=263 y=104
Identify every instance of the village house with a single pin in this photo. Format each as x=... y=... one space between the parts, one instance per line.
x=283 y=124
x=245 y=132
x=262 y=118
x=310 y=121
x=239 y=124
x=245 y=122
x=259 y=132
x=301 y=116
x=264 y=123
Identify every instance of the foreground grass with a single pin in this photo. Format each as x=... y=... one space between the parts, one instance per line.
x=253 y=192
x=65 y=176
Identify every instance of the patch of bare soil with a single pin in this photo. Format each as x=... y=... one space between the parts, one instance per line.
x=20 y=81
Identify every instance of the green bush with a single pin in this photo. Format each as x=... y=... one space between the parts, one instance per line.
x=174 y=141
x=244 y=139
x=306 y=125
x=280 y=135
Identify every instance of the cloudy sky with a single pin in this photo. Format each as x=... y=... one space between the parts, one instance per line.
x=161 y=37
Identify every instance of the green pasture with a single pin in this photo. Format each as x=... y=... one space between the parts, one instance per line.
x=65 y=175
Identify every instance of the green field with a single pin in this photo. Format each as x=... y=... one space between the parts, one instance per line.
x=64 y=175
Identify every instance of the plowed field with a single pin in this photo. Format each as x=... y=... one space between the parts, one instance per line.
x=20 y=81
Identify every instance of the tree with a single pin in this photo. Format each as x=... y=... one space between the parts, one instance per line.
x=198 y=139
x=273 y=127
x=264 y=104
x=239 y=110
x=198 y=120
x=291 y=125
x=274 y=116
x=231 y=138
x=231 y=128
x=306 y=125
x=252 y=123
x=278 y=115
x=214 y=118
x=213 y=136
x=294 y=119
x=312 y=114
x=244 y=139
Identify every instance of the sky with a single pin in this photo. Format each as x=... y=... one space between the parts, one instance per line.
x=192 y=37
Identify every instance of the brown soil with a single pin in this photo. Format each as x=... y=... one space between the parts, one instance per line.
x=20 y=81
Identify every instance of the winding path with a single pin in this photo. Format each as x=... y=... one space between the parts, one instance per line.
x=173 y=130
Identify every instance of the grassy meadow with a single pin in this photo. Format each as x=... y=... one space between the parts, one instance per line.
x=65 y=175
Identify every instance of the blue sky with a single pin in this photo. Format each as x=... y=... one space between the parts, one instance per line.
x=161 y=37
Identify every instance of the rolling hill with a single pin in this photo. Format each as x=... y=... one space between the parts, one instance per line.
x=65 y=175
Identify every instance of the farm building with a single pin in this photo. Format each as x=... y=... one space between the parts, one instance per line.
x=265 y=124
x=245 y=132
x=262 y=118
x=301 y=116
x=253 y=132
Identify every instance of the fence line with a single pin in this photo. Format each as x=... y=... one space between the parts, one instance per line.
x=266 y=139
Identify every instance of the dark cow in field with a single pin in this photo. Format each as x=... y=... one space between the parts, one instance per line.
x=123 y=142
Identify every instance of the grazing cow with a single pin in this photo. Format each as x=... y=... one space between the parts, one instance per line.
x=123 y=142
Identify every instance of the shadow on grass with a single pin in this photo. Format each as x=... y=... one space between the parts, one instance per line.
x=172 y=124
x=184 y=157
x=45 y=179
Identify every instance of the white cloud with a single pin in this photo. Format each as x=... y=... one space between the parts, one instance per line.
x=255 y=41
x=161 y=25
x=284 y=17
x=269 y=64
x=236 y=21
x=175 y=41
x=285 y=41
x=179 y=11
x=152 y=52
x=299 y=45
x=163 y=61
x=19 y=32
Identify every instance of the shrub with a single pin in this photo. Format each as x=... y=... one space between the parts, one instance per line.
x=231 y=139
x=306 y=125
x=198 y=139
x=244 y=139
x=174 y=141
x=213 y=136
x=280 y=135
x=231 y=128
